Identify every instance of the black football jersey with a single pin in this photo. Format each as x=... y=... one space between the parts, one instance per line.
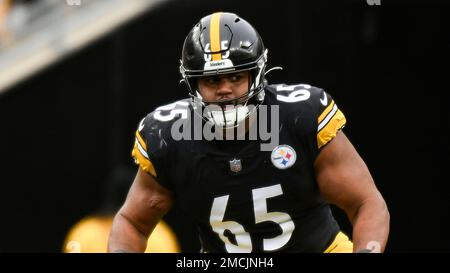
x=244 y=199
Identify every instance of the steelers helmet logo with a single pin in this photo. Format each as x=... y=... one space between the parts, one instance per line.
x=283 y=156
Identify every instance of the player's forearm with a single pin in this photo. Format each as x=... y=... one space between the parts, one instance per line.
x=371 y=226
x=125 y=237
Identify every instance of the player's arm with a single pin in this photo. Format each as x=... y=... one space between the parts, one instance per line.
x=344 y=180
x=146 y=203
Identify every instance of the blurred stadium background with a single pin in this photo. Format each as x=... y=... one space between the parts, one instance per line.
x=76 y=79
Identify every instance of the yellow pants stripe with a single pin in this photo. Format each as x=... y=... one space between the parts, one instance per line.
x=341 y=244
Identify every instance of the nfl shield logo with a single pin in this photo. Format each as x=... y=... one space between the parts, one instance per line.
x=235 y=165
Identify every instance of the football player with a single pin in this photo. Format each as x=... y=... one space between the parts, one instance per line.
x=243 y=196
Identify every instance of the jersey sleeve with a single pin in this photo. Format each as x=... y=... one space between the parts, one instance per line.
x=330 y=119
x=328 y=116
x=316 y=117
x=151 y=150
x=155 y=146
x=140 y=152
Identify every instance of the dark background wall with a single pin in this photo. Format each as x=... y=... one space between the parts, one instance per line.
x=66 y=134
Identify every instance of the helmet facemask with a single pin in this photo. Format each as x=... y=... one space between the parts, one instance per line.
x=230 y=113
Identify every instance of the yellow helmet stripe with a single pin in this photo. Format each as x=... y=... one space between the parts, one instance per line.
x=214 y=36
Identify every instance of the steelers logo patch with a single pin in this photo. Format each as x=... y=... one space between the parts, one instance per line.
x=283 y=156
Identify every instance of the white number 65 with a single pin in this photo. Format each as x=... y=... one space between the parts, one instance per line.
x=243 y=239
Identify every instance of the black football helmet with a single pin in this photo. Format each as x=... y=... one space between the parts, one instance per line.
x=223 y=43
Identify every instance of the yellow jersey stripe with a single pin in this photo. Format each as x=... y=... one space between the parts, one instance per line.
x=141 y=150
x=214 y=36
x=325 y=112
x=141 y=140
x=327 y=118
x=143 y=161
x=330 y=130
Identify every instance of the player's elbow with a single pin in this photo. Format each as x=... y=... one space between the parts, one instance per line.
x=376 y=209
x=160 y=205
x=371 y=207
x=384 y=210
x=381 y=205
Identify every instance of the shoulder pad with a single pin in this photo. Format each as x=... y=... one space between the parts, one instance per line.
x=312 y=109
x=153 y=135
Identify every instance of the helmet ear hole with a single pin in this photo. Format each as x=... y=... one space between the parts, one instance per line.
x=193 y=85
